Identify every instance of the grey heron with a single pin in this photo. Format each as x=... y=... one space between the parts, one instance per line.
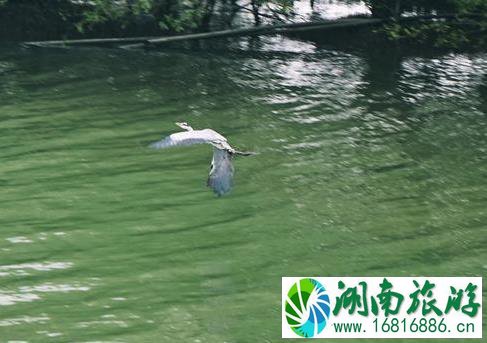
x=220 y=178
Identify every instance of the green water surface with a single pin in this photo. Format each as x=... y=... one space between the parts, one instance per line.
x=368 y=165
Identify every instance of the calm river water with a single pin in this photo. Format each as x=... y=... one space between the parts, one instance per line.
x=367 y=165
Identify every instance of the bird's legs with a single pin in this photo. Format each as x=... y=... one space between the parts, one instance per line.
x=244 y=153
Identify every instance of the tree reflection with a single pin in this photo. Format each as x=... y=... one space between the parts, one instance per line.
x=483 y=94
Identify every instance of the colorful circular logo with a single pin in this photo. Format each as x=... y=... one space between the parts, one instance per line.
x=307 y=307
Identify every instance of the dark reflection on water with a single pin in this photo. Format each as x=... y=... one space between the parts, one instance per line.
x=371 y=162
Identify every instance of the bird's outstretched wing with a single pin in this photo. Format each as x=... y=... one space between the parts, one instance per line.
x=221 y=172
x=188 y=138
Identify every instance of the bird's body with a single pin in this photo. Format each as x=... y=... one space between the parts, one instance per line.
x=221 y=172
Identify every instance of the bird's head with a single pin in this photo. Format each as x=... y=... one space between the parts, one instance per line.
x=184 y=126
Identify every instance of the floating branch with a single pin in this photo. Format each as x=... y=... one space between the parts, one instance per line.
x=148 y=42
x=259 y=30
x=95 y=41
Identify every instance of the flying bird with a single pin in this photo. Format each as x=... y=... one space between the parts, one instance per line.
x=221 y=170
